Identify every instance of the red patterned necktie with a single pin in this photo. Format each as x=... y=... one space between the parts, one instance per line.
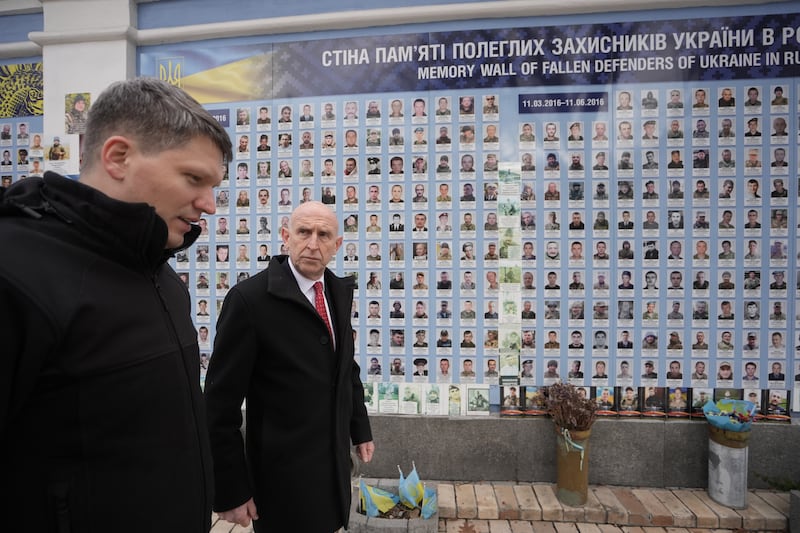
x=319 y=303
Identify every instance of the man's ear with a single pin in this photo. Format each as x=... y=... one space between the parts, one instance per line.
x=115 y=155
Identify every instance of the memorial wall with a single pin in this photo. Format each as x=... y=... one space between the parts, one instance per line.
x=612 y=204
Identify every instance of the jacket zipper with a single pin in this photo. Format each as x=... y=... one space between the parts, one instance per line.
x=189 y=380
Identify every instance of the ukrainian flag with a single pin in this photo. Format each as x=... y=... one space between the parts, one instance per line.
x=410 y=488
x=245 y=79
x=429 y=503
x=374 y=500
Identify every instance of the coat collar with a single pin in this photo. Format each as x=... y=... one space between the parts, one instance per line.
x=133 y=232
x=282 y=284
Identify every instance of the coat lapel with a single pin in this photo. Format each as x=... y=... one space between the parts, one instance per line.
x=340 y=299
x=282 y=284
x=339 y=292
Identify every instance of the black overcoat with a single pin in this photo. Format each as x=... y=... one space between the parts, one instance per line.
x=304 y=402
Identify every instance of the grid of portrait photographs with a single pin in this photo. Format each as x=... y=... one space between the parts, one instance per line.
x=493 y=246
x=629 y=401
x=23 y=153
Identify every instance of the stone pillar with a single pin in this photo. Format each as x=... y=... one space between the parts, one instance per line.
x=86 y=45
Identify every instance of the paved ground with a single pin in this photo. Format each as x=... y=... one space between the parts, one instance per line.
x=504 y=507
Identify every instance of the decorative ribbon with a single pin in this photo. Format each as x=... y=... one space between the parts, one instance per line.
x=568 y=442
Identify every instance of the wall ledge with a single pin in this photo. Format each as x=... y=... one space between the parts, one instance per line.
x=349 y=20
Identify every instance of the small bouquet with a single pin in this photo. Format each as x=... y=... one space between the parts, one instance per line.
x=730 y=415
x=569 y=409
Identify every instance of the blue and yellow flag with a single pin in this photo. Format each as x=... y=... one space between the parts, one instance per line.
x=410 y=488
x=430 y=503
x=374 y=500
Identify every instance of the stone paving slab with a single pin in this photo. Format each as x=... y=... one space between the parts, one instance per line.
x=616 y=513
x=466 y=504
x=778 y=500
x=681 y=515
x=638 y=515
x=498 y=527
x=594 y=511
x=521 y=526
x=508 y=508
x=572 y=513
x=752 y=518
x=529 y=508
x=773 y=517
x=552 y=509
x=605 y=528
x=703 y=515
x=487 y=502
x=728 y=518
x=656 y=511
x=588 y=527
x=446 y=498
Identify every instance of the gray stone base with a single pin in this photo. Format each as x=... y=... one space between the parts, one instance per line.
x=640 y=452
x=794 y=511
x=360 y=523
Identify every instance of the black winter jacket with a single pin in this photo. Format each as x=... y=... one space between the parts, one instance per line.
x=102 y=424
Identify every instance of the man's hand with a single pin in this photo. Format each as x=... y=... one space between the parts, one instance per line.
x=242 y=514
x=365 y=451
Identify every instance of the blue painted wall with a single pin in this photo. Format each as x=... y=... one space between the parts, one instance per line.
x=181 y=12
x=15 y=28
x=169 y=13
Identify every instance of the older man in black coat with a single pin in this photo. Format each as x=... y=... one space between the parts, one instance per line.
x=305 y=401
